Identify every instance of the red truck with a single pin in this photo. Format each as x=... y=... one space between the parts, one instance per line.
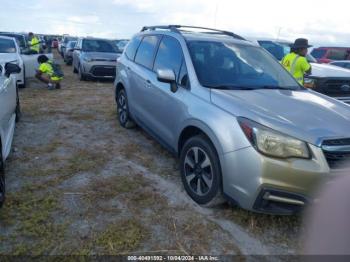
x=329 y=54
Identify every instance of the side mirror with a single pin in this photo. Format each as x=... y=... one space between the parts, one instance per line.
x=11 y=69
x=168 y=76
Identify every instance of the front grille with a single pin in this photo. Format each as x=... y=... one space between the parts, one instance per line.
x=337 y=152
x=103 y=71
x=336 y=87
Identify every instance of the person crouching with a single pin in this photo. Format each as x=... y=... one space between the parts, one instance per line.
x=47 y=74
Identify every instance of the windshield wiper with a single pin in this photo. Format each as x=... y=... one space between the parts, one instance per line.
x=231 y=87
x=276 y=87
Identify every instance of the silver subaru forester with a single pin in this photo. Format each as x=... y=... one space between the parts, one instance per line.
x=242 y=127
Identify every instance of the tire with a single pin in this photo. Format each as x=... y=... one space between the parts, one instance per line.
x=2 y=179
x=75 y=71
x=123 y=110
x=81 y=75
x=18 y=108
x=201 y=171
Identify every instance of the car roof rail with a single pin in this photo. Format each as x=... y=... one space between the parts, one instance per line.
x=177 y=29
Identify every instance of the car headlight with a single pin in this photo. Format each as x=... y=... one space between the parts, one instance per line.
x=309 y=82
x=87 y=59
x=273 y=143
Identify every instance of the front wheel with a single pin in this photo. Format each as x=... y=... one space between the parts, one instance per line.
x=2 y=179
x=82 y=77
x=201 y=172
x=123 y=110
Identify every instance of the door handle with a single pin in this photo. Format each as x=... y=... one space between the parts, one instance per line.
x=148 y=84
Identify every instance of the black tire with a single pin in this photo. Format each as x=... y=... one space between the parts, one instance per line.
x=202 y=180
x=2 y=179
x=75 y=71
x=18 y=108
x=123 y=110
x=82 y=77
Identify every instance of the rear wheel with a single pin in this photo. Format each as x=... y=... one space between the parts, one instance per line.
x=2 y=179
x=123 y=110
x=18 y=108
x=201 y=172
x=24 y=79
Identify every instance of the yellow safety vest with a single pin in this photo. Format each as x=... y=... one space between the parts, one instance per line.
x=35 y=44
x=296 y=65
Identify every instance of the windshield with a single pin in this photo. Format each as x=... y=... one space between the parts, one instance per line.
x=7 y=46
x=103 y=46
x=234 y=66
x=19 y=38
x=71 y=44
x=120 y=44
x=67 y=39
x=277 y=50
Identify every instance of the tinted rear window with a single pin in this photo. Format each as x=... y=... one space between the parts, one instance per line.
x=146 y=51
x=318 y=53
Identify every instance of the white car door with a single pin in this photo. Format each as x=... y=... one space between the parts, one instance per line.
x=31 y=64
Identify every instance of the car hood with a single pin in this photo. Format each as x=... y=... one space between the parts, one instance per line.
x=304 y=114
x=4 y=57
x=100 y=56
x=324 y=70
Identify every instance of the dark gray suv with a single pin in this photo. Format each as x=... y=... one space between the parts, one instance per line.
x=241 y=125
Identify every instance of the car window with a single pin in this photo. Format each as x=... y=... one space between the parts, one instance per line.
x=318 y=53
x=347 y=65
x=276 y=50
x=146 y=51
x=338 y=64
x=94 y=45
x=232 y=65
x=132 y=47
x=183 y=76
x=169 y=55
x=335 y=54
x=7 y=46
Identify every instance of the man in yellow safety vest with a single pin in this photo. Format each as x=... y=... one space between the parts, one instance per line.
x=295 y=62
x=34 y=43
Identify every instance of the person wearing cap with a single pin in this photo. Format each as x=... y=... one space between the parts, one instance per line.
x=295 y=62
x=34 y=44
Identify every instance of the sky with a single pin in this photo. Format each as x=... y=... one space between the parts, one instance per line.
x=322 y=22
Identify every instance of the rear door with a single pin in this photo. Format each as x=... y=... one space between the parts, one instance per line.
x=141 y=79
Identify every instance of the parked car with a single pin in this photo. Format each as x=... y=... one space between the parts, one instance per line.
x=341 y=63
x=95 y=58
x=329 y=54
x=9 y=115
x=326 y=79
x=68 y=54
x=20 y=38
x=241 y=125
x=120 y=44
x=64 y=42
x=10 y=51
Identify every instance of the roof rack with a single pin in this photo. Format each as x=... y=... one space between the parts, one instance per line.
x=177 y=29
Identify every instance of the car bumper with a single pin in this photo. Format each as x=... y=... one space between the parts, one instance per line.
x=263 y=184
x=100 y=69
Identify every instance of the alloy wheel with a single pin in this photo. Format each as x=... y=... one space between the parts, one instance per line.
x=198 y=171
x=122 y=108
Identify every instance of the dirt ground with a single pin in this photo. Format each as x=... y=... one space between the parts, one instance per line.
x=78 y=184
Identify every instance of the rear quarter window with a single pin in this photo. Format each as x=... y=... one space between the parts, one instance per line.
x=132 y=47
x=146 y=51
